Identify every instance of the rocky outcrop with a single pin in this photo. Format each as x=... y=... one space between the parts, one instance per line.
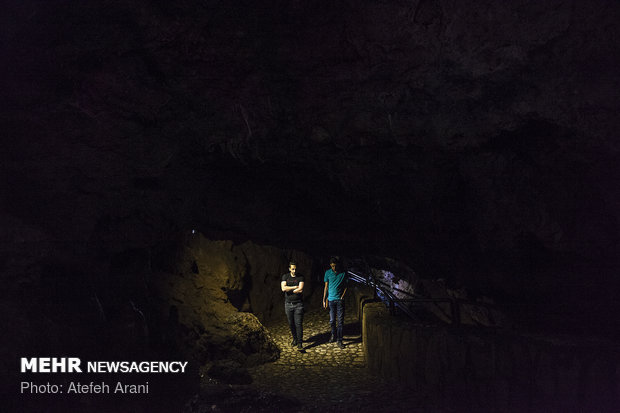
x=206 y=324
x=207 y=303
x=474 y=141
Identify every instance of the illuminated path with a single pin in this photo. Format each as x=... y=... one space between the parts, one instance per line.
x=325 y=377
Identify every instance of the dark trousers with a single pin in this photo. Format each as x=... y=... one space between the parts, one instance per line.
x=295 y=316
x=336 y=314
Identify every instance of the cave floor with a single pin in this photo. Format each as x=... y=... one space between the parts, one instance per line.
x=326 y=378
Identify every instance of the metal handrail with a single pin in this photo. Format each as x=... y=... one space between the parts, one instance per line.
x=393 y=302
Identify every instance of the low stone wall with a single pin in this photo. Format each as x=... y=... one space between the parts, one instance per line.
x=489 y=369
x=362 y=295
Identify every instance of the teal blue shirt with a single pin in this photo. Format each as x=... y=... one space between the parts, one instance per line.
x=336 y=283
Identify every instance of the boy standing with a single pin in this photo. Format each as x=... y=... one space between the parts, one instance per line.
x=333 y=295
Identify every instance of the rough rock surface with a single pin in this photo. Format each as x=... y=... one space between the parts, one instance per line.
x=266 y=264
x=196 y=300
x=475 y=142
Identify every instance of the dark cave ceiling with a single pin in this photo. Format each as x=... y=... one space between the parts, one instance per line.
x=469 y=140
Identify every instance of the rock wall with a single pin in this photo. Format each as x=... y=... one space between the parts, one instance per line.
x=265 y=265
x=475 y=141
x=491 y=369
x=190 y=297
x=201 y=319
x=199 y=303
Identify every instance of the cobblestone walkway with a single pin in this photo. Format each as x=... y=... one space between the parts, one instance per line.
x=325 y=377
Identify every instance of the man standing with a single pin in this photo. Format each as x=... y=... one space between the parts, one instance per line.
x=293 y=286
x=336 y=285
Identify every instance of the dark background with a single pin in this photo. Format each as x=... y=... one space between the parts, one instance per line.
x=475 y=142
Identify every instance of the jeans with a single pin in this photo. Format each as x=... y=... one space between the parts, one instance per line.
x=295 y=315
x=336 y=313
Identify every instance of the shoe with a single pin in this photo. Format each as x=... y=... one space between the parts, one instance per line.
x=340 y=344
x=294 y=342
x=300 y=347
x=332 y=339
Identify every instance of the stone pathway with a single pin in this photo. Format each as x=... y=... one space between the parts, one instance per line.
x=326 y=378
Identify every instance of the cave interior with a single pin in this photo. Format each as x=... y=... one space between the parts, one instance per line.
x=473 y=143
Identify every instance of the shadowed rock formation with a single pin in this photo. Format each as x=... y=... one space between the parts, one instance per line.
x=476 y=143
x=207 y=327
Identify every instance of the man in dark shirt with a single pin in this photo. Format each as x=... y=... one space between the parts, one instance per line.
x=293 y=286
